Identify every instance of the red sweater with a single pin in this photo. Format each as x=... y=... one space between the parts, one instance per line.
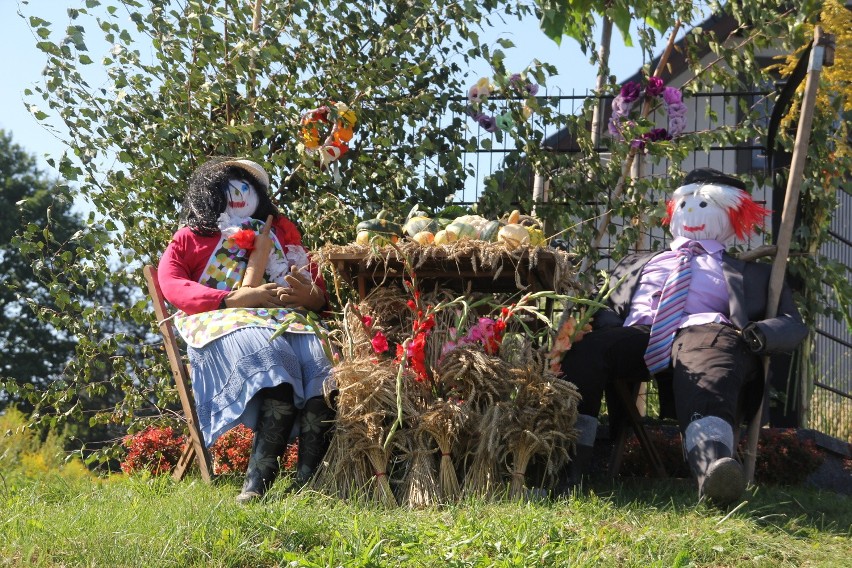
x=186 y=257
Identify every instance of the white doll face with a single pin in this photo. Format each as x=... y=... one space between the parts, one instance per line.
x=696 y=217
x=242 y=199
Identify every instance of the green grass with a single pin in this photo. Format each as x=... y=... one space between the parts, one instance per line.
x=51 y=521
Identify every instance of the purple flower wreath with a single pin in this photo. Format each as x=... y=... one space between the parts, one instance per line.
x=478 y=94
x=630 y=93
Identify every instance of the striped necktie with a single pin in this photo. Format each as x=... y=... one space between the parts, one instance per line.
x=670 y=309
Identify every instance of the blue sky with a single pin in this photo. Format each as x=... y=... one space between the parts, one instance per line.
x=22 y=62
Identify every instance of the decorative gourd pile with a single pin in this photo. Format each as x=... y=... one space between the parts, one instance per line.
x=513 y=232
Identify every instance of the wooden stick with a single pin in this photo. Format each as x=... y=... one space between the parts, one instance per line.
x=631 y=154
x=785 y=233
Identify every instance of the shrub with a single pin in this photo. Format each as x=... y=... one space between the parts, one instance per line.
x=232 y=451
x=782 y=457
x=668 y=445
x=154 y=449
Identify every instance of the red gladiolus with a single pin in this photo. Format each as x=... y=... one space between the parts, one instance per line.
x=379 y=342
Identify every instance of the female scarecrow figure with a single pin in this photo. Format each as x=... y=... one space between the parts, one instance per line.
x=238 y=374
x=693 y=313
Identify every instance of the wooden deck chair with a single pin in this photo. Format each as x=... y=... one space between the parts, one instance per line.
x=195 y=447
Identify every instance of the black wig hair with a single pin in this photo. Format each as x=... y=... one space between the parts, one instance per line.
x=207 y=196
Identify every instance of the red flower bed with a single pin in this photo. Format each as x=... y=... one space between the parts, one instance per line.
x=154 y=449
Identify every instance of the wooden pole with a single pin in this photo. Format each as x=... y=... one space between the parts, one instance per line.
x=785 y=233
x=631 y=154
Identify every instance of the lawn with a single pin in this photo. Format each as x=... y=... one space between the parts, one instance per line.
x=53 y=520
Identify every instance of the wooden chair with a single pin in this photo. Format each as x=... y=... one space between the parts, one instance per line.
x=626 y=394
x=195 y=447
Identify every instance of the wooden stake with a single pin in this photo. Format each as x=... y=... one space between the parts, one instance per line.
x=631 y=154
x=788 y=215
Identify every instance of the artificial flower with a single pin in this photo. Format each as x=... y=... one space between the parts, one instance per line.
x=630 y=91
x=487 y=123
x=244 y=239
x=479 y=92
x=505 y=121
x=672 y=95
x=345 y=113
x=655 y=87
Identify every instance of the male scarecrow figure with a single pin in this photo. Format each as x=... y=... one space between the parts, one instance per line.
x=693 y=313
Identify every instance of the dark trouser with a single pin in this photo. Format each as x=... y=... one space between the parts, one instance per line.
x=710 y=365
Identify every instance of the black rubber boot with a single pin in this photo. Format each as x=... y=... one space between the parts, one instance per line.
x=575 y=472
x=572 y=475
x=277 y=415
x=720 y=477
x=315 y=423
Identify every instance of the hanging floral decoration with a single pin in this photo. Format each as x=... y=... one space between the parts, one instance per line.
x=478 y=98
x=326 y=132
x=631 y=93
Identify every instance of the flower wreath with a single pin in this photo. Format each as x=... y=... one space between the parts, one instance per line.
x=477 y=96
x=331 y=146
x=630 y=93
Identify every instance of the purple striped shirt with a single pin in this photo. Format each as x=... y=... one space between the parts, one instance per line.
x=708 y=293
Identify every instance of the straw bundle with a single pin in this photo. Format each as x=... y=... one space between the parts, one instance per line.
x=482 y=477
x=469 y=374
x=539 y=421
x=421 y=487
x=445 y=420
x=342 y=473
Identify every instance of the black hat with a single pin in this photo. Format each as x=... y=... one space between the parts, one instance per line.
x=709 y=175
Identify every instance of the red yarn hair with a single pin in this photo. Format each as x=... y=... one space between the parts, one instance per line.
x=747 y=216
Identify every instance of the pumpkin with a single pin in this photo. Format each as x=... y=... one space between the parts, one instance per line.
x=489 y=232
x=368 y=238
x=444 y=237
x=380 y=225
x=418 y=224
x=513 y=236
x=423 y=238
x=536 y=236
x=514 y=217
x=462 y=230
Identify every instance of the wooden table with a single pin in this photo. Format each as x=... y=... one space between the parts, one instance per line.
x=455 y=272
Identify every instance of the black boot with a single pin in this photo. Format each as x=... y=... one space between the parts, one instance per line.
x=720 y=477
x=315 y=423
x=277 y=415
x=572 y=475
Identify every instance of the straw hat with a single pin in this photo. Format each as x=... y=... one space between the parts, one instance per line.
x=252 y=168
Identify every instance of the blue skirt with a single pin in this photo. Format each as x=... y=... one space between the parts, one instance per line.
x=228 y=372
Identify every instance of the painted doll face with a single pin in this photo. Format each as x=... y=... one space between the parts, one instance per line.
x=242 y=198
x=696 y=217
